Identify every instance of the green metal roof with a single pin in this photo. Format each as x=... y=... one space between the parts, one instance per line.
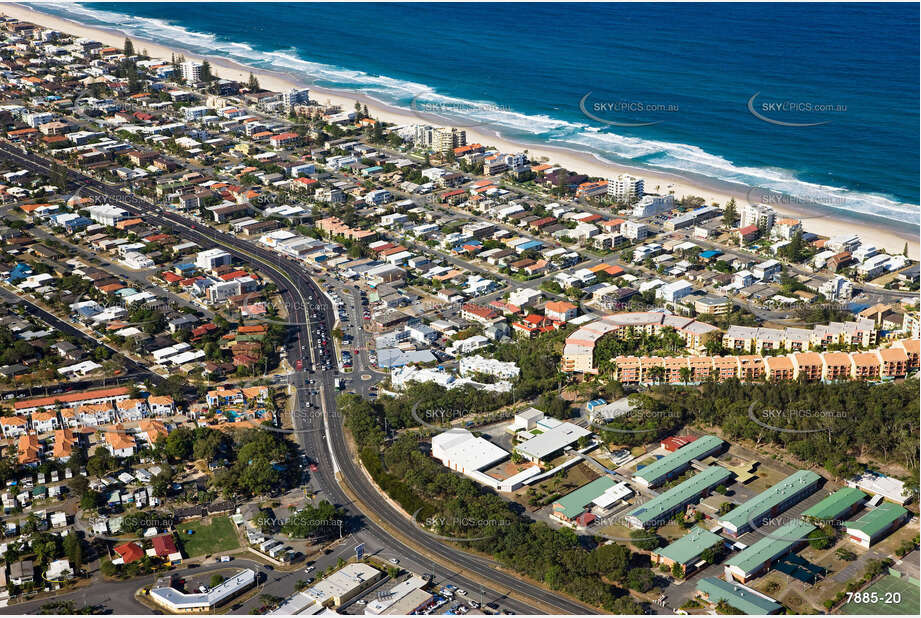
x=690 y=546
x=768 y=499
x=878 y=520
x=679 y=459
x=572 y=505
x=740 y=597
x=680 y=494
x=836 y=504
x=777 y=544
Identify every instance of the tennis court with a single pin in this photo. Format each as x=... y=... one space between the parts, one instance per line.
x=894 y=595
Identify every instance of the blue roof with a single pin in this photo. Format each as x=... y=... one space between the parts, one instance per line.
x=531 y=244
x=710 y=254
x=20 y=271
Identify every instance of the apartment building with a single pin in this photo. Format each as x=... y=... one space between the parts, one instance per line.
x=625 y=188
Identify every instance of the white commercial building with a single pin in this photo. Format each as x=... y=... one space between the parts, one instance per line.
x=332 y=591
x=106 y=214
x=759 y=215
x=460 y=450
x=837 y=288
x=463 y=452
x=177 y=601
x=212 y=258
x=488 y=366
x=653 y=205
x=625 y=188
x=295 y=96
x=552 y=441
x=889 y=488
x=674 y=291
x=190 y=71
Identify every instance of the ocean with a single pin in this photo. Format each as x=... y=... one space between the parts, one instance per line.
x=816 y=101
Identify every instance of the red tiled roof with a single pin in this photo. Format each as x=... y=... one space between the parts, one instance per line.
x=129 y=552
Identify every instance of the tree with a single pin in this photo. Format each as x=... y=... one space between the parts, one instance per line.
x=845 y=554
x=216 y=579
x=74 y=550
x=253 y=83
x=677 y=571
x=78 y=484
x=315 y=521
x=129 y=47
x=206 y=71
x=730 y=213
x=645 y=539
x=641 y=580
x=100 y=463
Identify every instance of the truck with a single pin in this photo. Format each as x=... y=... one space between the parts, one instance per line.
x=338 y=384
x=299 y=365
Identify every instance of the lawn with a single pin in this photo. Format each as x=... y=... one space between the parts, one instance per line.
x=894 y=595
x=219 y=536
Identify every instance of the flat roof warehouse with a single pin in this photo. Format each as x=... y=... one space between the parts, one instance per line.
x=179 y=601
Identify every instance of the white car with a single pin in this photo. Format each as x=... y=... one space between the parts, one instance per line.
x=309 y=569
x=394 y=561
x=361 y=602
x=462 y=592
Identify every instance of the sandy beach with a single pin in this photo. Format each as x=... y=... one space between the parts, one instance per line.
x=815 y=221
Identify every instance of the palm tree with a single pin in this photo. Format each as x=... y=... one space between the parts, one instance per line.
x=685 y=374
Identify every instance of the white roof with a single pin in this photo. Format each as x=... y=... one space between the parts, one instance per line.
x=467 y=452
x=552 y=440
x=229 y=587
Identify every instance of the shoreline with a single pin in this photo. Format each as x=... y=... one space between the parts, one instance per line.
x=814 y=220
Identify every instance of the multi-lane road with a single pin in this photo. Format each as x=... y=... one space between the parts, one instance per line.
x=321 y=435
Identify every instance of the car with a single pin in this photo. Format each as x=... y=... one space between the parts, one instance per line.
x=394 y=561
x=462 y=592
x=309 y=569
x=361 y=602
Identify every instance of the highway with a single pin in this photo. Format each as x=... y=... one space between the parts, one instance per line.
x=322 y=436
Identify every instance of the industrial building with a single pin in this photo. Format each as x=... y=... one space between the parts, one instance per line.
x=770 y=502
x=660 y=509
x=758 y=557
x=332 y=591
x=403 y=599
x=601 y=493
x=181 y=602
x=876 y=524
x=552 y=441
x=748 y=601
x=677 y=462
x=686 y=551
x=844 y=502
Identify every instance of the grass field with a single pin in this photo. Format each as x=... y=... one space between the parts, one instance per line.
x=885 y=589
x=219 y=536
